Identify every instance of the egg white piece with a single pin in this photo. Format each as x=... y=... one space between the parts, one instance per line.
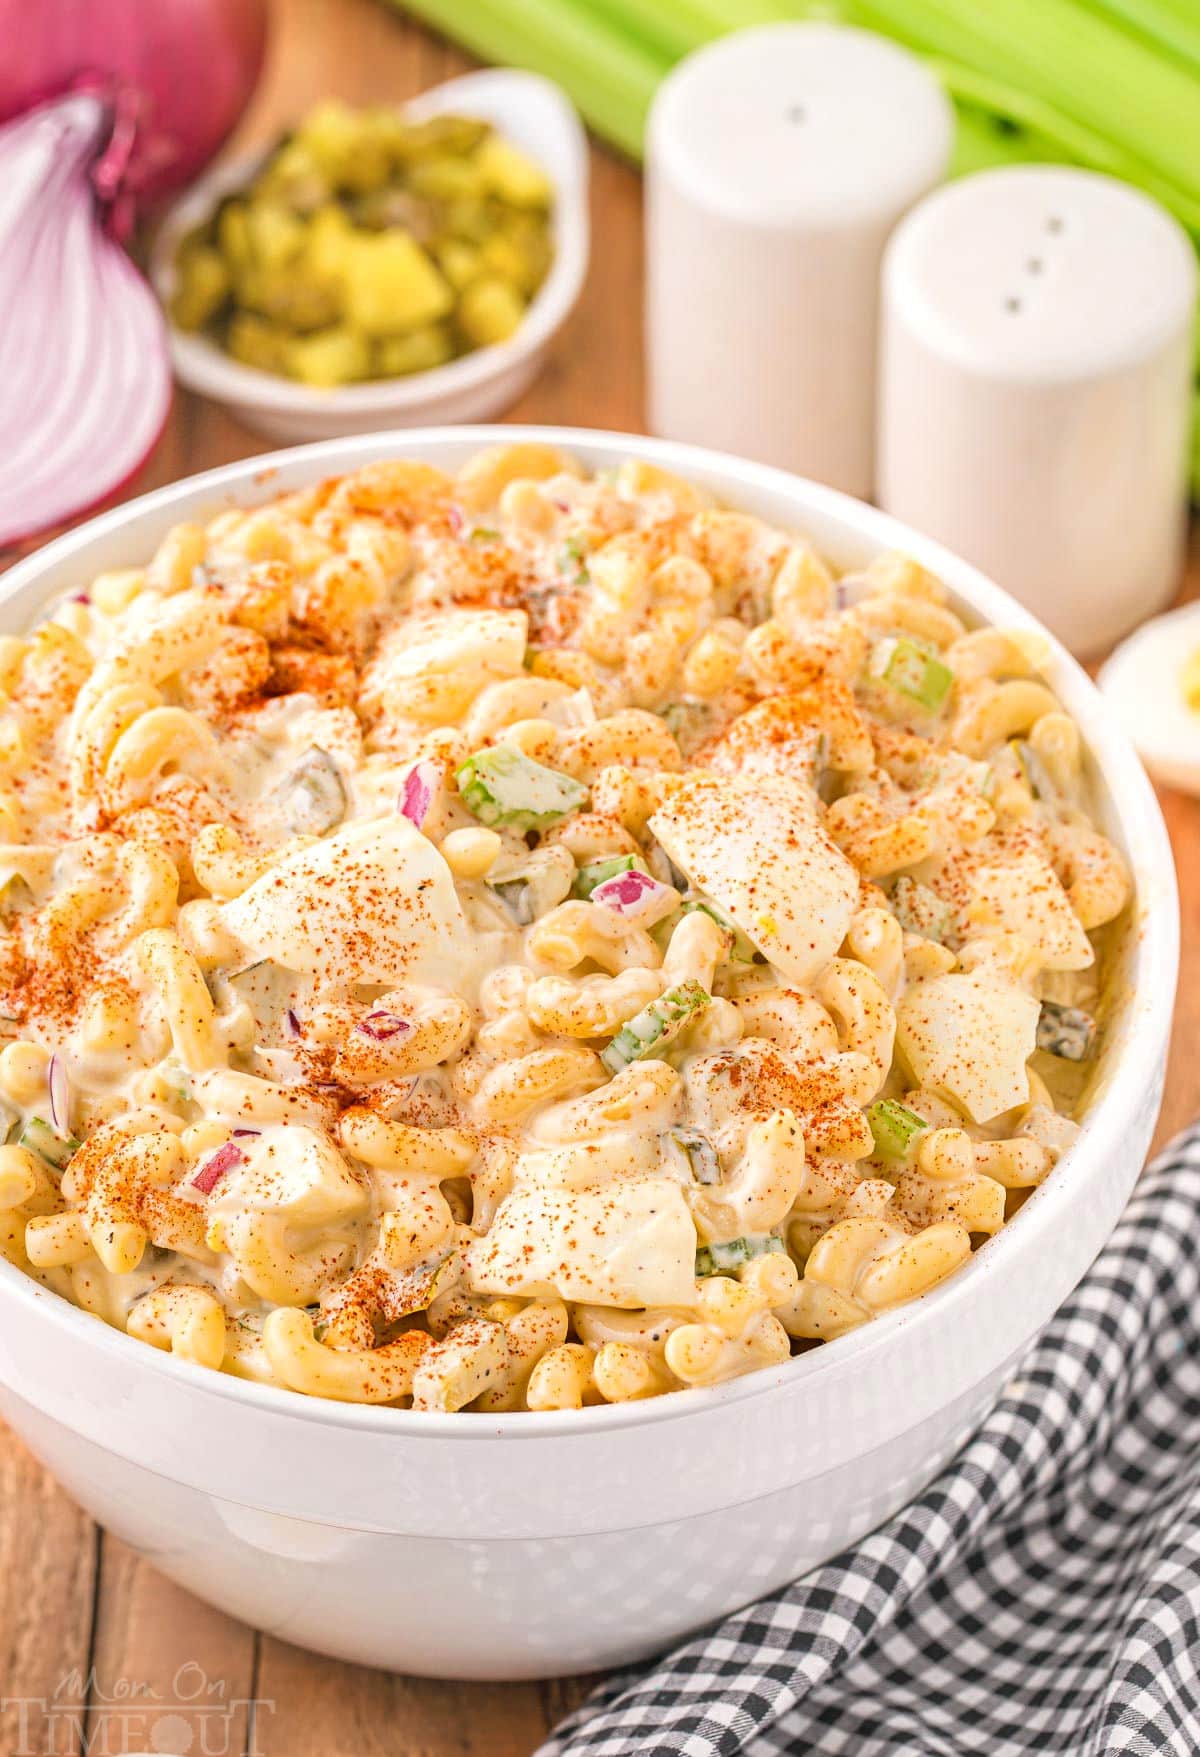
x=1142 y=683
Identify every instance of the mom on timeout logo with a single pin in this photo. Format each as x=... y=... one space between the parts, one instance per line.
x=195 y=1716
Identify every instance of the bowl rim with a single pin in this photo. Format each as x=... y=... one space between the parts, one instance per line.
x=1127 y=789
x=202 y=366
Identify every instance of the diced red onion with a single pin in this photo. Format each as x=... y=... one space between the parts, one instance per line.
x=81 y=597
x=422 y=781
x=853 y=589
x=238 y=1133
x=60 y=1095
x=292 y=1020
x=635 y=896
x=381 y=1025
x=457 y=521
x=83 y=352
x=216 y=1165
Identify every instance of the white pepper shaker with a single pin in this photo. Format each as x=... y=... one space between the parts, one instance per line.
x=1035 y=390
x=778 y=160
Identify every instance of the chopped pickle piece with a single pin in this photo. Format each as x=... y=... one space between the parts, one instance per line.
x=650 y=1031
x=276 y=236
x=700 y=1154
x=489 y=311
x=508 y=173
x=894 y=1127
x=920 y=910
x=504 y=786
x=392 y=285
x=460 y=263
x=1067 y=1032
x=416 y=352
x=204 y=284
x=1034 y=770
x=369 y=246
x=255 y=342
x=330 y=357
x=446 y=179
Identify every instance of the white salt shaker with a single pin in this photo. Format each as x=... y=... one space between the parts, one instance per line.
x=778 y=160
x=1035 y=390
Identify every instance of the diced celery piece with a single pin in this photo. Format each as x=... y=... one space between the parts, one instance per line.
x=1067 y=1032
x=894 y=1127
x=650 y=1031
x=907 y=668
x=573 y=561
x=501 y=785
x=597 y=871
x=742 y=950
x=720 y=1259
x=41 y=1138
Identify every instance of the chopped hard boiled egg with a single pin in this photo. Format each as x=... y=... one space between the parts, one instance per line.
x=758 y=850
x=373 y=903
x=631 y=1246
x=968 y=1038
x=1152 y=683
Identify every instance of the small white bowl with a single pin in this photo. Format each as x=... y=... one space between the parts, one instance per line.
x=528 y=110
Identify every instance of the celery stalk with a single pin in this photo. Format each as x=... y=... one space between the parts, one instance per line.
x=1062 y=53
x=1172 y=25
x=610 y=79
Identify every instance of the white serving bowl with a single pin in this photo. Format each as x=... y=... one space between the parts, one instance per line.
x=530 y=111
x=526 y=1545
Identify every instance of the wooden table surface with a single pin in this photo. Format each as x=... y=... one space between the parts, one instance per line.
x=98 y=1653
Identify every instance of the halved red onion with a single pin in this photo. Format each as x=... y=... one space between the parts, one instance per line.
x=636 y=897
x=60 y=1095
x=175 y=76
x=225 y=1159
x=381 y=1025
x=422 y=781
x=83 y=352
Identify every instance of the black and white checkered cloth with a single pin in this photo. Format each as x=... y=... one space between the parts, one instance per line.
x=1042 y=1595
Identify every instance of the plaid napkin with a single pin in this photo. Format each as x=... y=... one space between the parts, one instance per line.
x=1042 y=1595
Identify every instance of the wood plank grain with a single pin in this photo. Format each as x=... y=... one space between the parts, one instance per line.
x=169 y=1674
x=48 y=1560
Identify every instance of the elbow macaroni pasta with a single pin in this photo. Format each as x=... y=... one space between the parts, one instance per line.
x=743 y=1011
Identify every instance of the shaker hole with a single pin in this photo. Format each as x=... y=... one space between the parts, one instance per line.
x=1055 y=224
x=796 y=114
x=1034 y=266
x=1012 y=304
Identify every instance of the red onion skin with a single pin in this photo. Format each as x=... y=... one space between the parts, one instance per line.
x=381 y=1025
x=177 y=73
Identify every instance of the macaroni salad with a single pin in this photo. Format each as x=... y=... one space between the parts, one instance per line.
x=527 y=939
